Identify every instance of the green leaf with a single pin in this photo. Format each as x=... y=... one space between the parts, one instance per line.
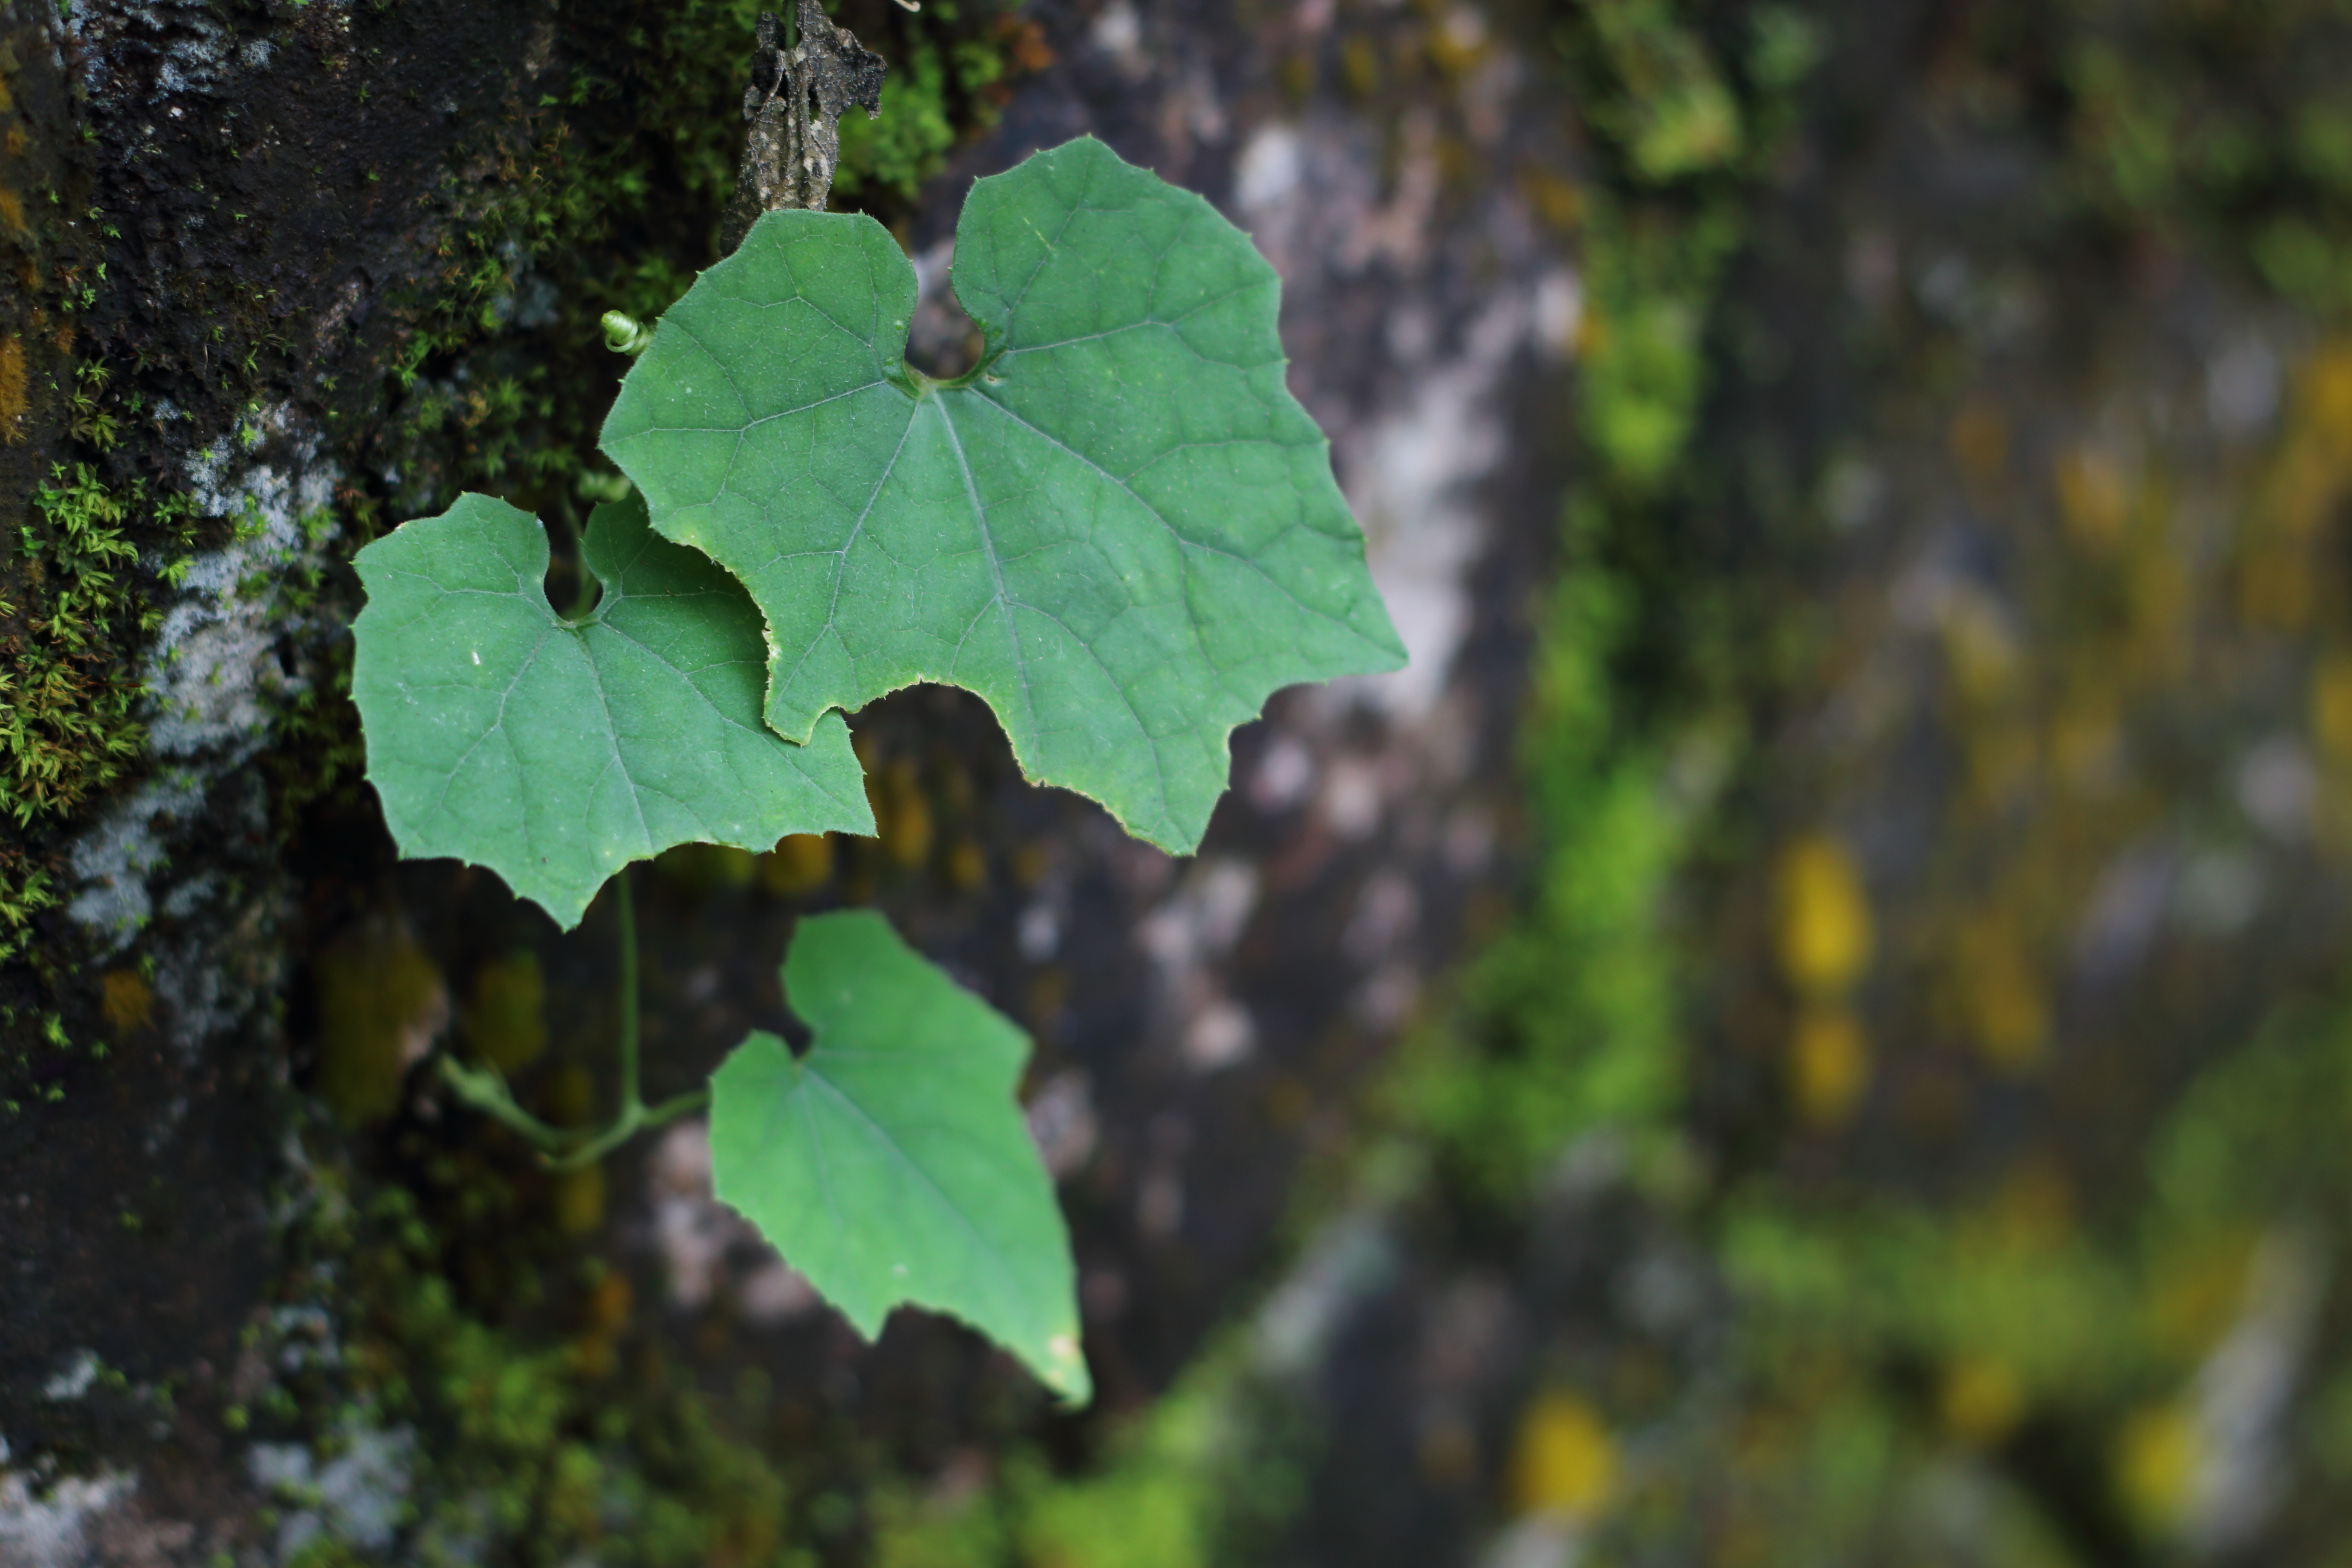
x=1121 y=530
x=553 y=752
x=890 y=1164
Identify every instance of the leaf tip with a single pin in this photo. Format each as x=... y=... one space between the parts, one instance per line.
x=1064 y=1369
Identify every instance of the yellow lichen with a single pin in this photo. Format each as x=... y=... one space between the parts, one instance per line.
x=2197 y=1289
x=902 y=817
x=2093 y=499
x=1980 y=1399
x=1828 y=1065
x=505 y=1018
x=1564 y=1462
x=127 y=1001
x=1557 y=201
x=1979 y=440
x=799 y=863
x=1824 y=929
x=1980 y=648
x=2002 y=1001
x=2331 y=708
x=579 y=1200
x=12 y=390
x=1359 y=65
x=381 y=1005
x=2278 y=568
x=2156 y=1457
x=12 y=210
x=2031 y=1213
x=2084 y=741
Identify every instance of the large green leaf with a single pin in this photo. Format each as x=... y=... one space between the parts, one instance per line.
x=554 y=752
x=890 y=1164
x=1121 y=530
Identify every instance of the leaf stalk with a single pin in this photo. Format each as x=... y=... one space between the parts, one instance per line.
x=568 y=1148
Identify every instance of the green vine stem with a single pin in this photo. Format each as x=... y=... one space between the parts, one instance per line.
x=568 y=1148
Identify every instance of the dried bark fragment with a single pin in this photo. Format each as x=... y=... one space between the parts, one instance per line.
x=795 y=103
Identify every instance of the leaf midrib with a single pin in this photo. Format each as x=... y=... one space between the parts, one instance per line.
x=1008 y=1287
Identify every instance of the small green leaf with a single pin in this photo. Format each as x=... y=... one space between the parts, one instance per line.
x=891 y=1164
x=553 y=752
x=1122 y=531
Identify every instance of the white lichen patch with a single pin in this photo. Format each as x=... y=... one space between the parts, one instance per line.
x=55 y=1526
x=1415 y=444
x=1412 y=475
x=114 y=859
x=217 y=674
x=355 y=1498
x=213 y=678
x=75 y=1378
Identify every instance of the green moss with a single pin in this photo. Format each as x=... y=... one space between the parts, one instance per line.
x=2222 y=126
x=1194 y=1482
x=526 y=1452
x=1670 y=111
x=1652 y=277
x=1569 y=1019
x=897 y=151
x=70 y=638
x=67 y=732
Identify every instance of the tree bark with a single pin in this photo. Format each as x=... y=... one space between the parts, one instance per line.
x=337 y=262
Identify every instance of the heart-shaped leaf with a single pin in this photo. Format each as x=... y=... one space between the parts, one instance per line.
x=1121 y=530
x=554 y=752
x=891 y=1164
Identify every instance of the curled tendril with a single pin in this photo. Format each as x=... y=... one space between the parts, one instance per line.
x=626 y=334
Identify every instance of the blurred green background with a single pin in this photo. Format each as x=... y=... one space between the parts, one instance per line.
x=1906 y=1118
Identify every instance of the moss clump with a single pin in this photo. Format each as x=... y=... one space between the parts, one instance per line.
x=1207 y=1476
x=68 y=730
x=69 y=644
x=532 y=1450
x=1568 y=1020
x=950 y=75
x=2225 y=125
x=908 y=140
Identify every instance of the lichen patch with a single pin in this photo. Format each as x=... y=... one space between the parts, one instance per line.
x=12 y=390
x=212 y=680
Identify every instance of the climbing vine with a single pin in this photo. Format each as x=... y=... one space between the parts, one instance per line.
x=1118 y=529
